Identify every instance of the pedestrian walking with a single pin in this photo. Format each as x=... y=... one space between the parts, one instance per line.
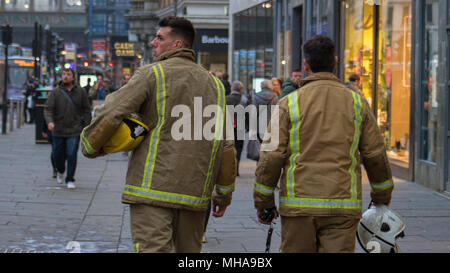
x=235 y=99
x=276 y=83
x=354 y=84
x=99 y=91
x=291 y=84
x=226 y=84
x=30 y=86
x=88 y=86
x=263 y=101
x=125 y=79
x=169 y=182
x=47 y=134
x=323 y=128
x=66 y=111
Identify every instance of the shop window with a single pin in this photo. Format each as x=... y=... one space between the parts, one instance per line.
x=430 y=82
x=394 y=77
x=385 y=83
x=17 y=5
x=359 y=44
x=253 y=43
x=73 y=5
x=319 y=17
x=49 y=5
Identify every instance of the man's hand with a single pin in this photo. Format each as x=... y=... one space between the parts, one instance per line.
x=218 y=211
x=51 y=126
x=274 y=211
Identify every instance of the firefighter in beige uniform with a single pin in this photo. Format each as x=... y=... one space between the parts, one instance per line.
x=169 y=182
x=323 y=127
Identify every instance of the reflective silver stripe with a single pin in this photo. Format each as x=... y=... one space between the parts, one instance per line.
x=294 y=141
x=154 y=140
x=382 y=186
x=166 y=196
x=225 y=189
x=264 y=190
x=218 y=132
x=357 y=123
x=320 y=203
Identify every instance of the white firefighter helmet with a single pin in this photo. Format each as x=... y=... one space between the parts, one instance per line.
x=378 y=230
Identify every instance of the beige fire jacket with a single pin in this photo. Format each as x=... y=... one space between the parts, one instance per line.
x=324 y=127
x=164 y=171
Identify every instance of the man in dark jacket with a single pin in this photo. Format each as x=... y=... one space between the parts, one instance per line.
x=67 y=110
x=266 y=97
x=234 y=99
x=291 y=84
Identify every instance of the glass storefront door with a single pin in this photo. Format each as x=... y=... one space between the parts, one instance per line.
x=386 y=31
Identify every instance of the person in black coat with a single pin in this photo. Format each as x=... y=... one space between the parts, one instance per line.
x=234 y=98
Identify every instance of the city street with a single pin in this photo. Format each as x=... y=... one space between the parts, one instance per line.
x=39 y=215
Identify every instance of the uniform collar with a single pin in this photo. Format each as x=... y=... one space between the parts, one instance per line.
x=319 y=76
x=182 y=53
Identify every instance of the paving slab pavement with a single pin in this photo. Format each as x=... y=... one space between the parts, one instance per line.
x=37 y=214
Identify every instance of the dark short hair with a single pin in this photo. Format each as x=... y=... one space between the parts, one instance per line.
x=319 y=52
x=71 y=71
x=99 y=74
x=181 y=27
x=354 y=78
x=297 y=70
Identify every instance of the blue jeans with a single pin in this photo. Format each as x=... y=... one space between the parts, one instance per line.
x=66 y=148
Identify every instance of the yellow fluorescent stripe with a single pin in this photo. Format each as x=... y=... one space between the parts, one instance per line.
x=294 y=140
x=321 y=203
x=144 y=177
x=383 y=185
x=264 y=186
x=86 y=144
x=218 y=129
x=154 y=139
x=166 y=196
x=225 y=189
x=161 y=118
x=357 y=107
x=262 y=192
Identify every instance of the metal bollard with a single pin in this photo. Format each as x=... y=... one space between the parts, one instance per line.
x=20 y=122
x=11 y=115
x=17 y=102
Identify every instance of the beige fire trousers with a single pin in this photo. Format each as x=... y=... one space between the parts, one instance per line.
x=307 y=234
x=165 y=230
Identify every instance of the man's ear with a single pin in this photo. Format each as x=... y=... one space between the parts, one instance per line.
x=336 y=60
x=178 y=44
x=307 y=68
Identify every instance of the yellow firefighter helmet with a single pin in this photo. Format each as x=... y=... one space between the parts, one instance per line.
x=128 y=136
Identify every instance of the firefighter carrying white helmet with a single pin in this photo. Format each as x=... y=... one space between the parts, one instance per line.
x=378 y=230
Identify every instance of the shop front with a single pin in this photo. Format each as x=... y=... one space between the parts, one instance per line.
x=376 y=46
x=211 y=46
x=398 y=48
x=374 y=41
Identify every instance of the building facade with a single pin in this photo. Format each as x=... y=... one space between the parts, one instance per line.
x=398 y=48
x=143 y=22
x=66 y=17
x=109 y=45
x=210 y=19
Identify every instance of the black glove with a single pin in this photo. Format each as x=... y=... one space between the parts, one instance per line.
x=267 y=215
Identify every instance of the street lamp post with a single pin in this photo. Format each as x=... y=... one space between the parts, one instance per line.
x=7 y=40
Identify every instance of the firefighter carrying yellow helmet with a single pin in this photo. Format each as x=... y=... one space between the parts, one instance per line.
x=128 y=136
